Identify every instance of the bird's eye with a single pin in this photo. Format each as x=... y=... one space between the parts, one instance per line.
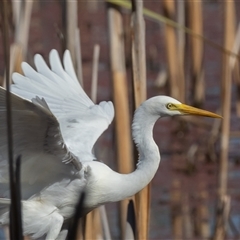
x=169 y=105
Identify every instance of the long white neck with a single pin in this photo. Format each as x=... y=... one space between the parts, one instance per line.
x=126 y=185
x=110 y=186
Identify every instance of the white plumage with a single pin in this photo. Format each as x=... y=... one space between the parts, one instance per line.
x=55 y=126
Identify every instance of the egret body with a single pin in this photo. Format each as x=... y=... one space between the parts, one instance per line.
x=55 y=126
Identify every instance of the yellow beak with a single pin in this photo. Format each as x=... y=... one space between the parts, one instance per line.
x=185 y=109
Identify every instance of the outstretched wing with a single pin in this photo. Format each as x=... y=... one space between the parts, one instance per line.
x=81 y=121
x=37 y=138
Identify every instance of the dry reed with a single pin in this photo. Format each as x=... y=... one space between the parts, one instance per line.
x=120 y=99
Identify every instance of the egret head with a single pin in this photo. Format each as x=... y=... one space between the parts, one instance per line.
x=168 y=106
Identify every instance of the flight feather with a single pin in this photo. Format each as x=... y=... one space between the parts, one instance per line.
x=78 y=116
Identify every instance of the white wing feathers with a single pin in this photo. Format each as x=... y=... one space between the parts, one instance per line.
x=81 y=121
x=37 y=138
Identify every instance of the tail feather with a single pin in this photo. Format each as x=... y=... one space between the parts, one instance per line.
x=5 y=202
x=4 y=207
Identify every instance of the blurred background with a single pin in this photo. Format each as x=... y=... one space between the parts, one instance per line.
x=191 y=53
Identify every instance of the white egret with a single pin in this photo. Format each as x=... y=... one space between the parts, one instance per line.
x=55 y=126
